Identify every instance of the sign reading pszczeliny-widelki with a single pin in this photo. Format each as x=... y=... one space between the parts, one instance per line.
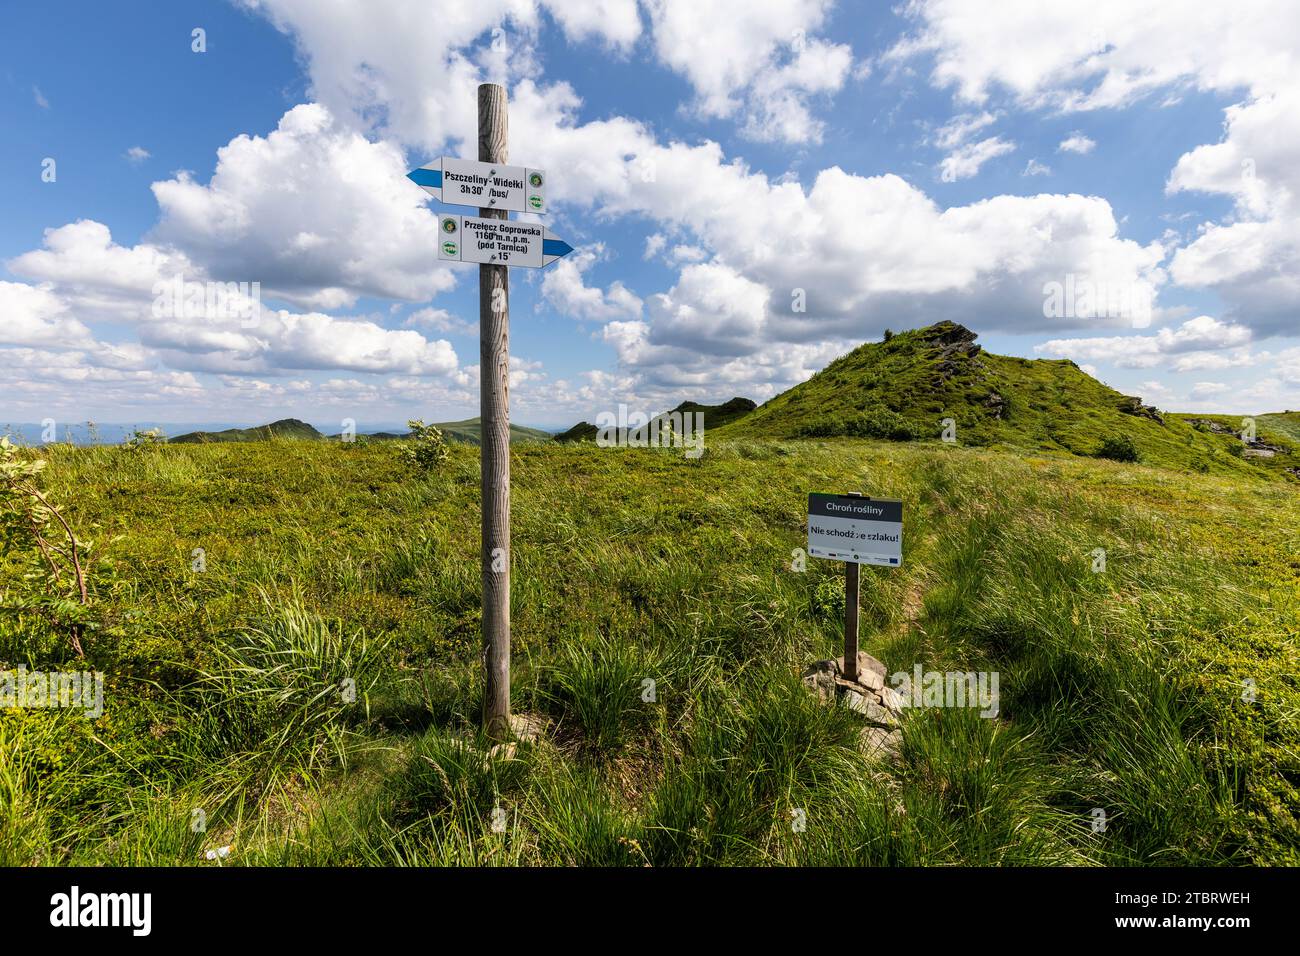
x=465 y=182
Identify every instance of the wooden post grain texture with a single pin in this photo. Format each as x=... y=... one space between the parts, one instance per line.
x=494 y=412
x=850 y=620
x=851 y=574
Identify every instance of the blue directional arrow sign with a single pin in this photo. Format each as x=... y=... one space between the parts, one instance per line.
x=505 y=242
x=464 y=182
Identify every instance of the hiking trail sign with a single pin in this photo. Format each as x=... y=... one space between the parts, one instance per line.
x=505 y=242
x=495 y=242
x=465 y=182
x=857 y=530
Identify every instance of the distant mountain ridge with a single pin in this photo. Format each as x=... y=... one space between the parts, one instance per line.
x=470 y=432
x=467 y=431
x=284 y=428
x=715 y=416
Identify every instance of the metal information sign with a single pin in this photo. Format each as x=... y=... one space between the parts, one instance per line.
x=504 y=242
x=466 y=182
x=857 y=529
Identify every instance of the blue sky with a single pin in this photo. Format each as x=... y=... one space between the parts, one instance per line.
x=712 y=163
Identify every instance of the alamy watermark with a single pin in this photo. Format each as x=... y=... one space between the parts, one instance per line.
x=75 y=908
x=948 y=689
x=1082 y=298
x=175 y=298
x=639 y=430
x=70 y=690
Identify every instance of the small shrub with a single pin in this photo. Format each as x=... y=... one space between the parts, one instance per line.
x=1118 y=448
x=424 y=449
x=828 y=599
x=144 y=438
x=50 y=559
x=876 y=423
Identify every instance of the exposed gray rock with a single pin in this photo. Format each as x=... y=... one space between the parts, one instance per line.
x=820 y=678
x=996 y=404
x=880 y=743
x=527 y=728
x=1132 y=405
x=867 y=665
x=855 y=700
x=876 y=713
x=868 y=697
x=892 y=699
x=1205 y=424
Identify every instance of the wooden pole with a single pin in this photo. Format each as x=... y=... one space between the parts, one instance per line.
x=850 y=620
x=494 y=412
x=851 y=573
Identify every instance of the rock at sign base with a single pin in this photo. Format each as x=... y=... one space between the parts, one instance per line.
x=871 y=672
x=892 y=698
x=869 y=708
x=820 y=679
x=527 y=728
x=880 y=743
x=502 y=752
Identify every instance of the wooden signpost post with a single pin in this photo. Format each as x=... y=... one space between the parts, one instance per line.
x=497 y=188
x=494 y=450
x=857 y=530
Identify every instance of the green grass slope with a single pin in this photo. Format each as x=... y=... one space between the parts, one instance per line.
x=715 y=416
x=284 y=428
x=905 y=387
x=1161 y=689
x=1275 y=449
x=470 y=432
x=1285 y=425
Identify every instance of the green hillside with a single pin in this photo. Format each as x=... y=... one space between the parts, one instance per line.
x=470 y=432
x=905 y=387
x=465 y=432
x=715 y=416
x=1285 y=425
x=284 y=428
x=1275 y=448
x=583 y=431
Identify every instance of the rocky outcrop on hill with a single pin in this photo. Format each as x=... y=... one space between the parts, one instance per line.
x=957 y=348
x=1132 y=405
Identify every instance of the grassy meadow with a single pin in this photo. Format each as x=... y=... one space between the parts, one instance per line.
x=1163 y=691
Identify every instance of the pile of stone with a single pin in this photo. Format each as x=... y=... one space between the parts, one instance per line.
x=879 y=705
x=524 y=729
